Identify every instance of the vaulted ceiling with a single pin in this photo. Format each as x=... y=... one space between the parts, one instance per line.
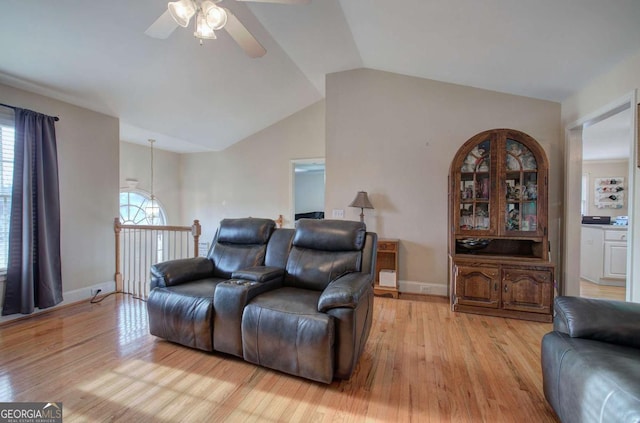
x=193 y=97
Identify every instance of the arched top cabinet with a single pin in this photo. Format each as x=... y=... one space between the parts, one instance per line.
x=498 y=186
x=499 y=192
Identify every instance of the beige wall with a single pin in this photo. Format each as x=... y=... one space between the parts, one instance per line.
x=135 y=163
x=88 y=145
x=606 y=169
x=603 y=90
x=395 y=136
x=252 y=177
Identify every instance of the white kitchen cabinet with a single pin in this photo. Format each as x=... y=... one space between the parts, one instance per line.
x=592 y=253
x=615 y=254
x=603 y=254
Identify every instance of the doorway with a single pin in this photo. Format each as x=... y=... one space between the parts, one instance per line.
x=307 y=189
x=575 y=157
x=606 y=152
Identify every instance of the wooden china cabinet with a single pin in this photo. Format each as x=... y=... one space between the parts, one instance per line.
x=498 y=244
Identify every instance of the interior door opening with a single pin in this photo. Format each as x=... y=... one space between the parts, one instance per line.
x=606 y=153
x=307 y=189
x=578 y=178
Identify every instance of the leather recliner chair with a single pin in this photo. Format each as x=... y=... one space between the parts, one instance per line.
x=591 y=361
x=316 y=325
x=180 y=304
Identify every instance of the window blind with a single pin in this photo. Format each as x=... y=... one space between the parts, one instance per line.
x=7 y=141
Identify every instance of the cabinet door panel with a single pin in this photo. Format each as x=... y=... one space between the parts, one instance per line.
x=474 y=188
x=527 y=290
x=521 y=184
x=591 y=254
x=478 y=286
x=615 y=260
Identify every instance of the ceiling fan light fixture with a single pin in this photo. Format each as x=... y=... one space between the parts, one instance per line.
x=182 y=11
x=203 y=30
x=215 y=16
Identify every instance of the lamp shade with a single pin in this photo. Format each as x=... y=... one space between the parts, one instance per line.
x=203 y=30
x=216 y=17
x=182 y=11
x=362 y=201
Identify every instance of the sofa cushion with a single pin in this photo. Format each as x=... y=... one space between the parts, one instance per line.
x=315 y=269
x=227 y=258
x=278 y=248
x=245 y=231
x=184 y=313
x=283 y=330
x=330 y=235
x=239 y=244
x=200 y=288
x=587 y=380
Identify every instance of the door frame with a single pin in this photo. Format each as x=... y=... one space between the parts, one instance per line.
x=570 y=265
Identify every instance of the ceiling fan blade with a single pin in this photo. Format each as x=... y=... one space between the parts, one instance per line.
x=162 y=27
x=280 y=1
x=243 y=37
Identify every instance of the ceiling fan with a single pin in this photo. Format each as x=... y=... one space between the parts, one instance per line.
x=209 y=17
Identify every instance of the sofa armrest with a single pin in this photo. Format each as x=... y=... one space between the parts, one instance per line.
x=229 y=302
x=175 y=272
x=615 y=322
x=259 y=273
x=346 y=291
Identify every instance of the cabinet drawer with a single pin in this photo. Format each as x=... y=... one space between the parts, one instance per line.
x=610 y=235
x=387 y=246
x=512 y=274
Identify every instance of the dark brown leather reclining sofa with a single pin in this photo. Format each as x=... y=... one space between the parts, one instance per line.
x=591 y=361
x=298 y=301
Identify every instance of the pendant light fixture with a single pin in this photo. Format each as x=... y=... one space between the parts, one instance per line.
x=152 y=210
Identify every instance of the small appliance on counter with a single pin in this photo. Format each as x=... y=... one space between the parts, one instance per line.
x=596 y=220
x=622 y=221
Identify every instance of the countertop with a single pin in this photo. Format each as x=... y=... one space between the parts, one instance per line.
x=608 y=227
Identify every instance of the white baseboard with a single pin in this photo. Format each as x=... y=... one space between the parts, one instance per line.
x=69 y=297
x=415 y=287
x=85 y=293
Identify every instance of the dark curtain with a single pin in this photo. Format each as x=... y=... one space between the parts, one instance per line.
x=33 y=270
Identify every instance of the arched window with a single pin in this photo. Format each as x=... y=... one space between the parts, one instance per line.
x=135 y=209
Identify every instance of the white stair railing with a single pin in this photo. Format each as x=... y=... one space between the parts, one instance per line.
x=138 y=247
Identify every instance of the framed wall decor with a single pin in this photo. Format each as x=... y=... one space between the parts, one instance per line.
x=609 y=192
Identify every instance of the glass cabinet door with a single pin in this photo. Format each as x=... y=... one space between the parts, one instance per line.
x=475 y=189
x=521 y=188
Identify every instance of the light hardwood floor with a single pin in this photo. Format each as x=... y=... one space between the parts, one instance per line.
x=422 y=363
x=594 y=290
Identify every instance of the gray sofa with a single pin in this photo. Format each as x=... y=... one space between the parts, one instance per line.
x=591 y=361
x=298 y=301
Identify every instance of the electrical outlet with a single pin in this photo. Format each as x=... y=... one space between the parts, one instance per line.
x=95 y=291
x=424 y=289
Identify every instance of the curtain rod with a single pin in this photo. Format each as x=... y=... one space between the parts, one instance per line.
x=56 y=118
